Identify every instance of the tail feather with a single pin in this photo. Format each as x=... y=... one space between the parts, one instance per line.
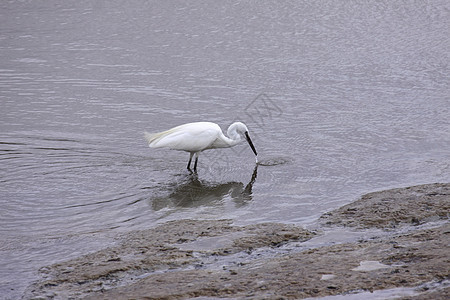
x=153 y=138
x=150 y=137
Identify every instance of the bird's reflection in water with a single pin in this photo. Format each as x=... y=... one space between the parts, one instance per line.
x=194 y=192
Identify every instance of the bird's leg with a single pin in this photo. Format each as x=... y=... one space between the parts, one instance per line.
x=195 y=163
x=189 y=163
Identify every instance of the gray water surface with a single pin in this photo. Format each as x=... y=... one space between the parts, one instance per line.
x=340 y=97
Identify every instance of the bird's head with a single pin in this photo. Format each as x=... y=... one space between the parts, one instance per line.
x=239 y=130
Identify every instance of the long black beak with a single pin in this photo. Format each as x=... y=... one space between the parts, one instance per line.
x=250 y=143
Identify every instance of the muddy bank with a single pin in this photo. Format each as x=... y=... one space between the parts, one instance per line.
x=166 y=248
x=188 y=258
x=393 y=208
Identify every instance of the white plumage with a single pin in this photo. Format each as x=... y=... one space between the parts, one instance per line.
x=199 y=136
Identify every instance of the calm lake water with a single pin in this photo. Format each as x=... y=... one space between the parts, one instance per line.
x=340 y=97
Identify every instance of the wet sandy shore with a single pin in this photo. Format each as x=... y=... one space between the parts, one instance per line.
x=396 y=239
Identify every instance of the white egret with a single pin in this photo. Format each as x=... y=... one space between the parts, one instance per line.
x=199 y=136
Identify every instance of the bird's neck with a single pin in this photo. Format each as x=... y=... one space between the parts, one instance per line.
x=233 y=134
x=228 y=141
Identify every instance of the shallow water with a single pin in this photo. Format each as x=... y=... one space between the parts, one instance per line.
x=340 y=98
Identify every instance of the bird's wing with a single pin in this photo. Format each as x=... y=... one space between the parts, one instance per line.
x=192 y=137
